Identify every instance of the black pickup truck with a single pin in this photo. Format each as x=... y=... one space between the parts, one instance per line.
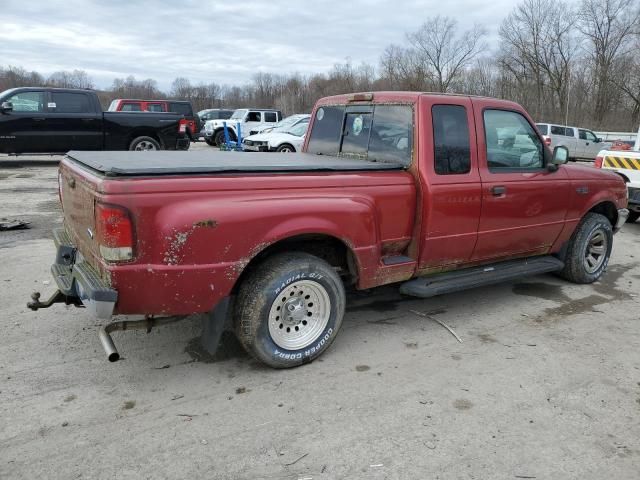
x=56 y=120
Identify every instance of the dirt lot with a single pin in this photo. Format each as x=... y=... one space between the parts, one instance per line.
x=545 y=385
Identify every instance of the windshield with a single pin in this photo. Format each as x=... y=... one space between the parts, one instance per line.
x=239 y=114
x=286 y=124
x=299 y=129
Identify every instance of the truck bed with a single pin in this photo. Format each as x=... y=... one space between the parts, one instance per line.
x=116 y=164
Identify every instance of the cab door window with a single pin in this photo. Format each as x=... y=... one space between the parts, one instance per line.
x=27 y=102
x=512 y=143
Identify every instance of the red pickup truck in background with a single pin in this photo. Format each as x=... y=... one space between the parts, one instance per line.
x=190 y=124
x=435 y=192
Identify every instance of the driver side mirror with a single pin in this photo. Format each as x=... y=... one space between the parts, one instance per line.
x=6 y=107
x=598 y=140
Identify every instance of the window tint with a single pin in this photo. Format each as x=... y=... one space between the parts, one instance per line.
x=253 y=117
x=511 y=142
x=131 y=107
x=71 y=102
x=224 y=114
x=391 y=134
x=555 y=130
x=569 y=132
x=27 y=102
x=543 y=128
x=155 y=107
x=582 y=135
x=271 y=117
x=326 y=132
x=181 y=107
x=452 y=150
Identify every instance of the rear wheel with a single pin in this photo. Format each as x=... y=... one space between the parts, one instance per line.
x=289 y=309
x=285 y=148
x=633 y=217
x=589 y=249
x=210 y=142
x=143 y=144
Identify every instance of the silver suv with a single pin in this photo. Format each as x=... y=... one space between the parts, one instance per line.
x=582 y=143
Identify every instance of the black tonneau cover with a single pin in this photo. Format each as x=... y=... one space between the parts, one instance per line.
x=214 y=161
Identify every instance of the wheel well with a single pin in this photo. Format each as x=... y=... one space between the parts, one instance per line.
x=288 y=145
x=143 y=133
x=624 y=177
x=232 y=134
x=329 y=248
x=608 y=209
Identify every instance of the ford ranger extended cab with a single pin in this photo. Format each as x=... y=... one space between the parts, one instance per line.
x=433 y=192
x=56 y=120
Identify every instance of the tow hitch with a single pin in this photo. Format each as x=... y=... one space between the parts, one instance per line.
x=57 y=297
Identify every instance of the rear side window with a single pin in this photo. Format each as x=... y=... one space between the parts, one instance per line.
x=327 y=130
x=452 y=151
x=71 y=102
x=569 y=132
x=555 y=130
x=181 y=108
x=382 y=135
x=270 y=117
x=131 y=107
x=512 y=143
x=543 y=128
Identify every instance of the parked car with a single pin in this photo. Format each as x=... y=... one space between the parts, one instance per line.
x=56 y=120
x=248 y=118
x=622 y=145
x=581 y=143
x=395 y=187
x=284 y=124
x=183 y=107
x=277 y=141
x=212 y=114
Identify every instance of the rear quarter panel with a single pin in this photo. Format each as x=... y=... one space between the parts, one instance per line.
x=195 y=235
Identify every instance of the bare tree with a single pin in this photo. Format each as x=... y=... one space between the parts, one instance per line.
x=609 y=27
x=73 y=79
x=442 y=53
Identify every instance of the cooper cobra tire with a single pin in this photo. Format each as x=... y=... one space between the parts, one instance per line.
x=633 y=217
x=589 y=249
x=144 y=144
x=289 y=309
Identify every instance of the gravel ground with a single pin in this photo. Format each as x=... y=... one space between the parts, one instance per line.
x=545 y=385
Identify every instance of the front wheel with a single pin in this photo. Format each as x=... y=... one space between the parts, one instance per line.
x=589 y=249
x=286 y=148
x=289 y=309
x=144 y=144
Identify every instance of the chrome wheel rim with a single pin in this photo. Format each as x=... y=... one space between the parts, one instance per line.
x=299 y=315
x=145 y=145
x=596 y=251
x=285 y=150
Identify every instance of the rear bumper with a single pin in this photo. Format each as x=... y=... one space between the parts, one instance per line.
x=75 y=278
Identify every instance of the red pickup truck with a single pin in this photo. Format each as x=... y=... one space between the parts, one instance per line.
x=435 y=192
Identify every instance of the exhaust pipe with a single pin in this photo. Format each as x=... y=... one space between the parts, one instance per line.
x=147 y=324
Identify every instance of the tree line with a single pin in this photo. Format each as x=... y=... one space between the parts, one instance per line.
x=575 y=62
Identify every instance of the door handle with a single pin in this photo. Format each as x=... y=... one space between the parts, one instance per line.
x=498 y=191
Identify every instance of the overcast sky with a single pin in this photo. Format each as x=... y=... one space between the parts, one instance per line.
x=225 y=42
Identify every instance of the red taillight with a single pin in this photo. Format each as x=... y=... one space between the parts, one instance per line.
x=114 y=232
x=547 y=141
x=182 y=128
x=598 y=162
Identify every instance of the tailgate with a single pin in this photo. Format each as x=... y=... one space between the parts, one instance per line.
x=78 y=190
